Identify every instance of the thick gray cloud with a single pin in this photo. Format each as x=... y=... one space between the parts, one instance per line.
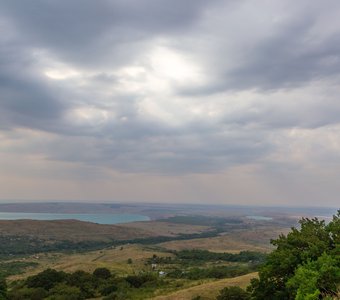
x=26 y=98
x=95 y=33
x=270 y=47
x=175 y=88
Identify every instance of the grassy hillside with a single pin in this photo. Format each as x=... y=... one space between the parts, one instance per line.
x=141 y=251
x=162 y=228
x=69 y=230
x=115 y=259
x=208 y=290
x=255 y=239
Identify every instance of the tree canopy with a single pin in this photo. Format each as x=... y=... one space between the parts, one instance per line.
x=233 y=293
x=304 y=265
x=3 y=288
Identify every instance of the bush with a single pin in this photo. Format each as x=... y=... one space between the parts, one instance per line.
x=102 y=273
x=86 y=282
x=233 y=293
x=3 y=288
x=138 y=280
x=65 y=292
x=46 y=279
x=108 y=289
x=28 y=293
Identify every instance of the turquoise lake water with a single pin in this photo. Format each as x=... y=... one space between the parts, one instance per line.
x=95 y=218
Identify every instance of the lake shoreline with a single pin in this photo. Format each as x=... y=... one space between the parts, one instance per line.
x=99 y=218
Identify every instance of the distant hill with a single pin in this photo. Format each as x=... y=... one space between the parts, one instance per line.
x=60 y=207
x=22 y=237
x=69 y=230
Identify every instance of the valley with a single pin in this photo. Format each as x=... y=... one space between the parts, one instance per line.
x=179 y=255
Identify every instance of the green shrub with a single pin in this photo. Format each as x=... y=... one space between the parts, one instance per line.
x=233 y=293
x=28 y=293
x=46 y=279
x=102 y=273
x=3 y=288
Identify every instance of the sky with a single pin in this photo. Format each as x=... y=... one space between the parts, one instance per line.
x=220 y=101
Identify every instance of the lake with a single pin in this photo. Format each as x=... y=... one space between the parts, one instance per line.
x=95 y=218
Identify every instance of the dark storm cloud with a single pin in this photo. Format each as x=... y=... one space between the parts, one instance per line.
x=302 y=47
x=25 y=98
x=286 y=61
x=109 y=116
x=284 y=111
x=83 y=32
x=88 y=32
x=174 y=153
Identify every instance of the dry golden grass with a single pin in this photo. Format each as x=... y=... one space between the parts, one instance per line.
x=208 y=290
x=157 y=228
x=259 y=235
x=253 y=240
x=216 y=244
x=113 y=259
x=71 y=230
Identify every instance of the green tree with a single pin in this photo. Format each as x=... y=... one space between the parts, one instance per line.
x=303 y=263
x=26 y=293
x=316 y=278
x=138 y=280
x=65 y=292
x=108 y=289
x=46 y=279
x=3 y=289
x=102 y=273
x=233 y=293
x=305 y=283
x=86 y=282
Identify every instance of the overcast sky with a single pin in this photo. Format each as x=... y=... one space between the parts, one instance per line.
x=220 y=101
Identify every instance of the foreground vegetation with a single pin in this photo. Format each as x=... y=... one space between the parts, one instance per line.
x=51 y=284
x=304 y=265
x=179 y=270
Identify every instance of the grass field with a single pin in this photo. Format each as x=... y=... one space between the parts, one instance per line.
x=71 y=230
x=208 y=290
x=114 y=259
x=257 y=239
x=131 y=258
x=117 y=261
x=157 y=228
